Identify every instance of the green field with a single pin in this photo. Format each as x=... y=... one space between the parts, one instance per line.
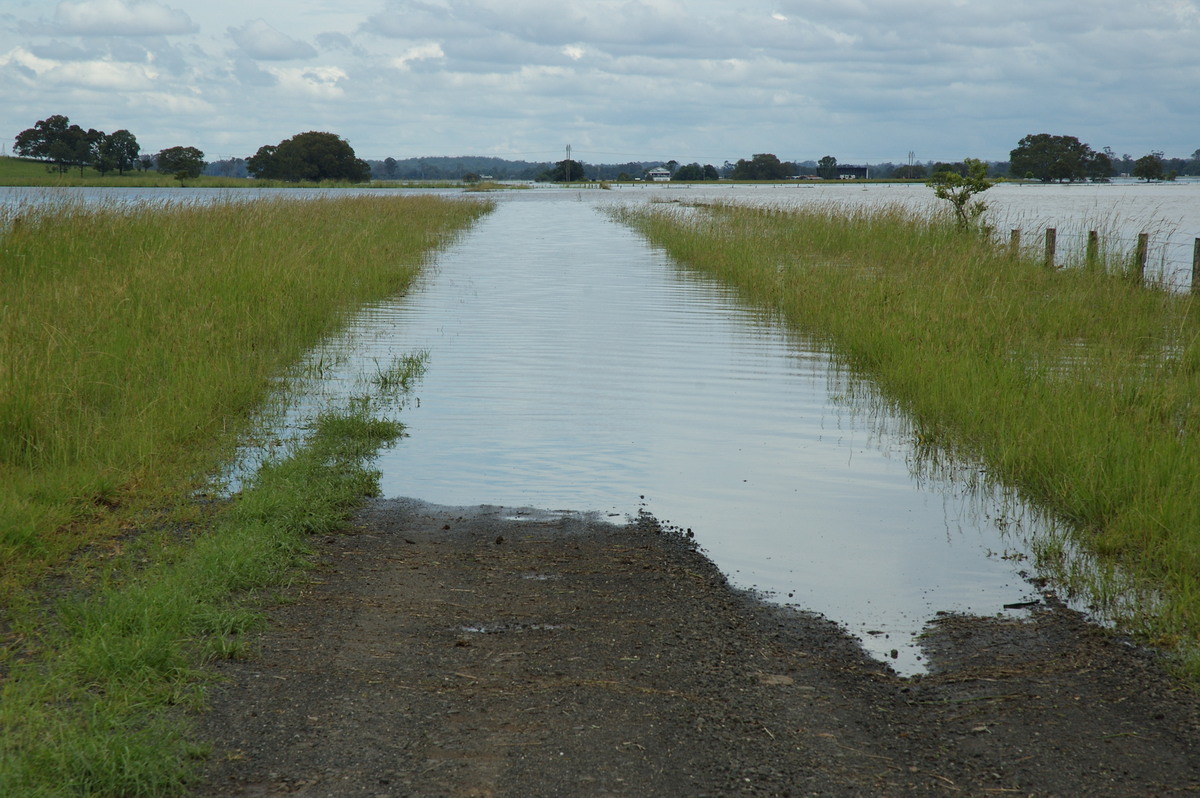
x=1078 y=387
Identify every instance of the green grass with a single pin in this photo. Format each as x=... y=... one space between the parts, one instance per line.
x=1078 y=387
x=101 y=710
x=27 y=172
x=136 y=346
x=136 y=341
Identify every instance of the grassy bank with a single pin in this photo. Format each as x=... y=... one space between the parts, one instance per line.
x=1077 y=386
x=101 y=709
x=135 y=341
x=135 y=345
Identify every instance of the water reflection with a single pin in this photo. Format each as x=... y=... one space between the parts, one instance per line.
x=573 y=367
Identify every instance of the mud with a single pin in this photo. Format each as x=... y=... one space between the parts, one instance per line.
x=482 y=652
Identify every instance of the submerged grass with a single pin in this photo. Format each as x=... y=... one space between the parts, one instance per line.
x=1079 y=387
x=136 y=340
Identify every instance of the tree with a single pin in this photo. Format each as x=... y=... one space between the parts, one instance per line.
x=311 y=156
x=185 y=163
x=1046 y=158
x=567 y=171
x=118 y=150
x=958 y=190
x=36 y=141
x=763 y=166
x=827 y=167
x=692 y=171
x=1149 y=167
x=909 y=172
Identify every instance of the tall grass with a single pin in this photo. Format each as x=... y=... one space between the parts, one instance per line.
x=1079 y=387
x=135 y=340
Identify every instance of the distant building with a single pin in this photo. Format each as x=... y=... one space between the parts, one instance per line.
x=851 y=172
x=659 y=174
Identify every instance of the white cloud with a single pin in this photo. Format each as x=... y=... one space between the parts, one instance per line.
x=259 y=40
x=105 y=75
x=121 y=18
x=318 y=82
x=421 y=52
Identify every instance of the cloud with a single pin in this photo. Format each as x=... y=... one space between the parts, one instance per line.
x=318 y=82
x=120 y=18
x=104 y=75
x=260 y=41
x=421 y=52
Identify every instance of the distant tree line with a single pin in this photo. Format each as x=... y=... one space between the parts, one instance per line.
x=63 y=146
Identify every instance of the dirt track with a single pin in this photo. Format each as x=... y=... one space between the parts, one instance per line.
x=455 y=652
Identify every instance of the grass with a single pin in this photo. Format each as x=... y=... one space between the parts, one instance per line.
x=135 y=341
x=28 y=172
x=1079 y=387
x=101 y=710
x=136 y=346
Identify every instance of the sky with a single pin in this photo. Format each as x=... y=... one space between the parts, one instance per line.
x=618 y=80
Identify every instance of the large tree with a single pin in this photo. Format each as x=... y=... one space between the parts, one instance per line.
x=568 y=171
x=827 y=167
x=118 y=150
x=1044 y=157
x=313 y=156
x=1149 y=167
x=36 y=141
x=763 y=166
x=185 y=163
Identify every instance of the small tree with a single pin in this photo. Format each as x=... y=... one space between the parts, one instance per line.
x=958 y=190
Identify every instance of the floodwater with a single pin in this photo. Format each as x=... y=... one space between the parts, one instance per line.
x=572 y=367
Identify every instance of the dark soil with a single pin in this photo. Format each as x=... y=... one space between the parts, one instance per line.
x=452 y=652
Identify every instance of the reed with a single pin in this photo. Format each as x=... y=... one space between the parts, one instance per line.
x=136 y=340
x=1078 y=387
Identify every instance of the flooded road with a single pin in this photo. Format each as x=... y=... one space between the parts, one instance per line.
x=572 y=367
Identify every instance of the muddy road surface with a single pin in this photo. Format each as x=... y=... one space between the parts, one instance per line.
x=481 y=652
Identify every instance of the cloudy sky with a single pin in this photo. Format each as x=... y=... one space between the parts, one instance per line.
x=619 y=80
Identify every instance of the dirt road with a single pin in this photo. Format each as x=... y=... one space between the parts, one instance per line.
x=469 y=652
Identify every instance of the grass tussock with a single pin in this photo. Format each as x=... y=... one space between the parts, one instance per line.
x=1080 y=387
x=136 y=340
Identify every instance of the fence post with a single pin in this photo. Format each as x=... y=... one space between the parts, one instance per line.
x=1143 y=253
x=1196 y=267
x=1051 y=240
x=1014 y=241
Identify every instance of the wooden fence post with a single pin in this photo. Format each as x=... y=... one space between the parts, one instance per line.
x=1051 y=239
x=1143 y=254
x=1093 y=249
x=1196 y=267
x=1014 y=241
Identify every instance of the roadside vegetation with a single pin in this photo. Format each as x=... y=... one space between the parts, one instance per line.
x=136 y=345
x=136 y=339
x=1077 y=387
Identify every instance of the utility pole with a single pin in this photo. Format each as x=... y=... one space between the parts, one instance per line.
x=568 y=164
